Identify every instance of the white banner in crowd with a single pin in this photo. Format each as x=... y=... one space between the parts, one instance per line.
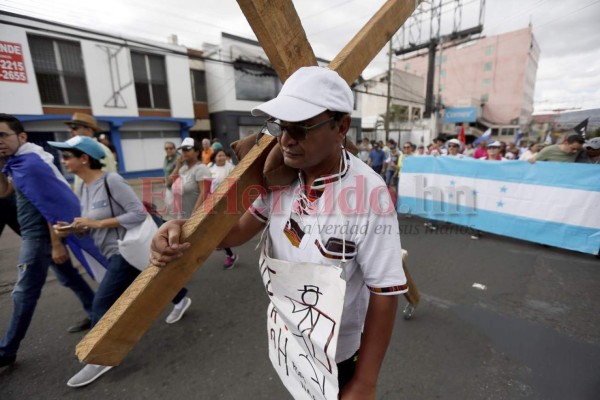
x=546 y=202
x=303 y=321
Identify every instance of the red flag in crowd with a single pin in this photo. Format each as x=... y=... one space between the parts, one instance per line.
x=461 y=135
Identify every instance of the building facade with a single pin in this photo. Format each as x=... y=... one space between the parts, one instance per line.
x=241 y=78
x=407 y=103
x=495 y=74
x=140 y=92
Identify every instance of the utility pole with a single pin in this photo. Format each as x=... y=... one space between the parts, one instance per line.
x=389 y=92
x=438 y=101
x=432 y=45
x=435 y=40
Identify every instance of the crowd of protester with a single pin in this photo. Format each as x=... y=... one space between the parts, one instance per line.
x=108 y=207
x=386 y=158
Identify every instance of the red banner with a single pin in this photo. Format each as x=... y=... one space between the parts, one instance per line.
x=12 y=66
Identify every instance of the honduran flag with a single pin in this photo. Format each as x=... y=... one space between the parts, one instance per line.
x=547 y=202
x=35 y=176
x=487 y=135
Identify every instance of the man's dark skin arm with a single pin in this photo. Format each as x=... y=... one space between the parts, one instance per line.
x=377 y=332
x=167 y=246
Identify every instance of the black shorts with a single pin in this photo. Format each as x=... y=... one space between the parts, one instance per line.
x=346 y=370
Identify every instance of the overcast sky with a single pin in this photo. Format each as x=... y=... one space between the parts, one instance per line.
x=567 y=31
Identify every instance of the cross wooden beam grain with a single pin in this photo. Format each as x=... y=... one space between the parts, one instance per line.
x=278 y=29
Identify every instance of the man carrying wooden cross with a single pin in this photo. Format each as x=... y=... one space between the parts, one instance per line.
x=334 y=230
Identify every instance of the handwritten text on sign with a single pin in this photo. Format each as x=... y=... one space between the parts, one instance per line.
x=12 y=67
x=303 y=325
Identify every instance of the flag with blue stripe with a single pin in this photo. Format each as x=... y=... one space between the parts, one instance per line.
x=487 y=135
x=547 y=202
x=47 y=190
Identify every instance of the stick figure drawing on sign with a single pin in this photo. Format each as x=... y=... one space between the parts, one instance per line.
x=316 y=328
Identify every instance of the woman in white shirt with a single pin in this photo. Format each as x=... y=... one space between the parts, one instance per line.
x=219 y=170
x=529 y=154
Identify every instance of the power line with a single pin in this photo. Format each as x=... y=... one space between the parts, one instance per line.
x=43 y=9
x=328 y=9
x=385 y=95
x=571 y=13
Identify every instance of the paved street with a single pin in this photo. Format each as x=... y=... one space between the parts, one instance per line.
x=531 y=334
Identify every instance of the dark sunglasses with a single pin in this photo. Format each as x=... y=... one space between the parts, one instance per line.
x=452 y=145
x=187 y=148
x=75 y=127
x=296 y=132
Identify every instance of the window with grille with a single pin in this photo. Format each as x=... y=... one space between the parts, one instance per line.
x=59 y=71
x=255 y=82
x=198 y=85
x=150 y=77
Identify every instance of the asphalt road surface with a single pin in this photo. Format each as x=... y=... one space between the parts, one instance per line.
x=529 y=330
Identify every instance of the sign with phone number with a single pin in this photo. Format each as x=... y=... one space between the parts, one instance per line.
x=12 y=66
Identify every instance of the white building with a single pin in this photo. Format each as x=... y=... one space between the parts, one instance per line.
x=407 y=103
x=240 y=78
x=139 y=91
x=142 y=93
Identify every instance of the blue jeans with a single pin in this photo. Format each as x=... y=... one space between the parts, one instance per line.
x=34 y=259
x=390 y=179
x=119 y=275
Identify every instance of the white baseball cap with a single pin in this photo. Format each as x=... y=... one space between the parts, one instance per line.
x=593 y=143
x=454 y=141
x=494 y=144
x=308 y=92
x=187 y=142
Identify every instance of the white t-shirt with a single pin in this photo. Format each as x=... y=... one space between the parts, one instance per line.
x=369 y=224
x=527 y=156
x=219 y=173
x=455 y=155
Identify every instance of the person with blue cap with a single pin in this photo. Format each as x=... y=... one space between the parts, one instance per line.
x=109 y=207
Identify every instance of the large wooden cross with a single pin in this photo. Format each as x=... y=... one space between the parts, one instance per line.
x=279 y=31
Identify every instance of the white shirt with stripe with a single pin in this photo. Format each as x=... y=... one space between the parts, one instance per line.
x=363 y=215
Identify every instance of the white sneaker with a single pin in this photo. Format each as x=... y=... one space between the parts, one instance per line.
x=88 y=374
x=178 y=310
x=430 y=226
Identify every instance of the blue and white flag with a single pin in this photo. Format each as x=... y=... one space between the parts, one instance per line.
x=519 y=137
x=487 y=135
x=548 y=138
x=546 y=202
x=35 y=176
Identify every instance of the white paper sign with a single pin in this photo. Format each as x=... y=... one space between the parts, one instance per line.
x=303 y=321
